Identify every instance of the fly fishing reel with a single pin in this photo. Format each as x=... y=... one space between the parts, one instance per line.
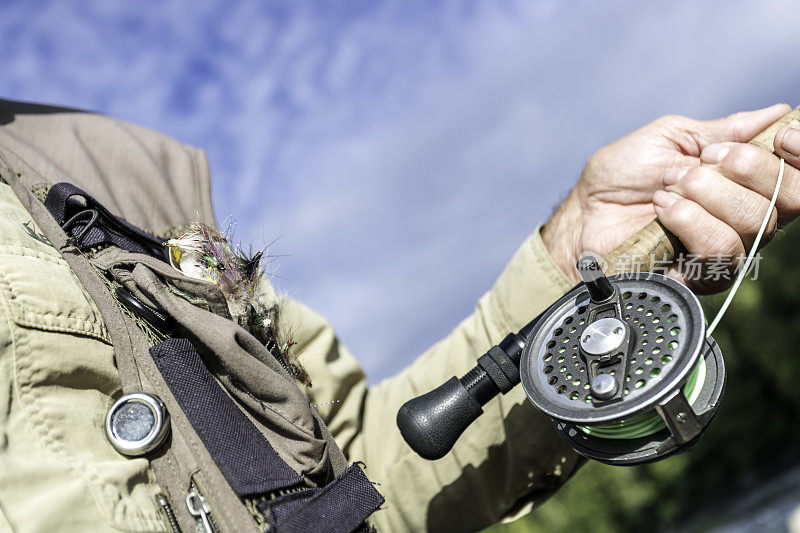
x=622 y=365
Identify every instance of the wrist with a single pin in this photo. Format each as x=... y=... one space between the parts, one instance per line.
x=561 y=236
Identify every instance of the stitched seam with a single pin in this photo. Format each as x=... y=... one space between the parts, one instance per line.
x=201 y=185
x=12 y=297
x=206 y=485
x=84 y=327
x=197 y=185
x=172 y=465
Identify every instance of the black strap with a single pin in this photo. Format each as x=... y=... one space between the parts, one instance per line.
x=339 y=507
x=246 y=459
x=87 y=223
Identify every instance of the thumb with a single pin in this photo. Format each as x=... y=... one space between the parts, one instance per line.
x=739 y=127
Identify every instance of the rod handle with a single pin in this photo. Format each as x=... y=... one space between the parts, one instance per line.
x=654 y=244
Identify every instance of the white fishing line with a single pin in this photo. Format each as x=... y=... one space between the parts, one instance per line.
x=752 y=254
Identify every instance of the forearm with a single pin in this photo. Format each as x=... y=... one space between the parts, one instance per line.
x=509 y=458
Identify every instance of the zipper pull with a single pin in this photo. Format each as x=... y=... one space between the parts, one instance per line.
x=199 y=509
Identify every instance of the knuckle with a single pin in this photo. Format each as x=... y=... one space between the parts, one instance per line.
x=723 y=243
x=737 y=121
x=742 y=159
x=696 y=181
x=749 y=212
x=670 y=120
x=595 y=162
x=682 y=214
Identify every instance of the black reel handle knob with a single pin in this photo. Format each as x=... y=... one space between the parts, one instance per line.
x=432 y=423
x=600 y=289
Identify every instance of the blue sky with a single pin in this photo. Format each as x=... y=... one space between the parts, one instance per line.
x=399 y=150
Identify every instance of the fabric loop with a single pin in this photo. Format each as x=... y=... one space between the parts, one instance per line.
x=340 y=507
x=90 y=224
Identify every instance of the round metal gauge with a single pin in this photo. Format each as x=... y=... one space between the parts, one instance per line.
x=137 y=424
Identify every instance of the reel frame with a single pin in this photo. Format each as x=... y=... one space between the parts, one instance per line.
x=643 y=304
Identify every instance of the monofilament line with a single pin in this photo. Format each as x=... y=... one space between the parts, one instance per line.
x=752 y=254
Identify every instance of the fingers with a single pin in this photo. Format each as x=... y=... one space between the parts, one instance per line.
x=787 y=145
x=703 y=235
x=739 y=127
x=757 y=170
x=738 y=207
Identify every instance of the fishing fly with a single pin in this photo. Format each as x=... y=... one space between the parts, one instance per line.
x=201 y=252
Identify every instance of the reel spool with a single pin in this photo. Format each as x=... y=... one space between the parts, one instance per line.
x=622 y=366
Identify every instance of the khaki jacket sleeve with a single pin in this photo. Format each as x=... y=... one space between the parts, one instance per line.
x=509 y=460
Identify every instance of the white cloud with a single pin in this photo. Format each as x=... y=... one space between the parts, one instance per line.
x=404 y=149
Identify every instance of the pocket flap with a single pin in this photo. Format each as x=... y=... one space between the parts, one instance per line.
x=42 y=292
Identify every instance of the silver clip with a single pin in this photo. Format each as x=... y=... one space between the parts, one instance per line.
x=199 y=509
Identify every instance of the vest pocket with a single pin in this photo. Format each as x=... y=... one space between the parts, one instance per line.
x=43 y=293
x=63 y=381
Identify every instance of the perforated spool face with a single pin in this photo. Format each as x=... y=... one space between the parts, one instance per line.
x=658 y=332
x=667 y=330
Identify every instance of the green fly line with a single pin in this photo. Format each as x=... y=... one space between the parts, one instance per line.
x=650 y=423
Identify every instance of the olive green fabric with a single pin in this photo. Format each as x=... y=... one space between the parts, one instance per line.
x=250 y=374
x=509 y=460
x=57 y=379
x=152 y=181
x=58 y=374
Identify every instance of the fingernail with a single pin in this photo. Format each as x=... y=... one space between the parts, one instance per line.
x=714 y=153
x=674 y=175
x=664 y=199
x=791 y=141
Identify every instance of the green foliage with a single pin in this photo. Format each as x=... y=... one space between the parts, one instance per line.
x=754 y=435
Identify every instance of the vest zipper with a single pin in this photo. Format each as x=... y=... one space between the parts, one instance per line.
x=165 y=506
x=199 y=509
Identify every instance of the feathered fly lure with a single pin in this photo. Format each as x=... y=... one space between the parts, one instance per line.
x=204 y=253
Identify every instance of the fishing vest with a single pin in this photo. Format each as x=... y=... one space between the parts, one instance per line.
x=232 y=439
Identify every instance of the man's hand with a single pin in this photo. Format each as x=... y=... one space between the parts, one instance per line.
x=705 y=184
